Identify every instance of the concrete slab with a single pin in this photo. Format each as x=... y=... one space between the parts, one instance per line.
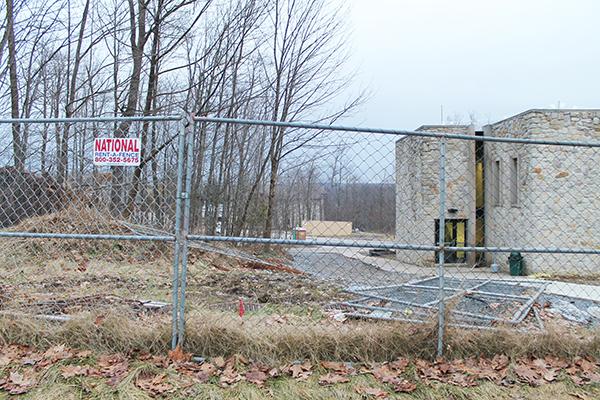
x=576 y=290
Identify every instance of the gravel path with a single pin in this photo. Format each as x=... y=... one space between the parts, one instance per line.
x=345 y=271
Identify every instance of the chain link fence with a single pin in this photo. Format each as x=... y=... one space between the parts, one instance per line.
x=74 y=241
x=276 y=229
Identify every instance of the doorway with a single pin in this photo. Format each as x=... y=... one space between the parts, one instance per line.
x=455 y=235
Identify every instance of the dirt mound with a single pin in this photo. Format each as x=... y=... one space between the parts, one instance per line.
x=73 y=220
x=209 y=285
x=26 y=194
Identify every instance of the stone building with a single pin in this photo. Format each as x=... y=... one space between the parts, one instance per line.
x=504 y=194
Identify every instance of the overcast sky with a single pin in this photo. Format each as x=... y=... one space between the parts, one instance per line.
x=492 y=58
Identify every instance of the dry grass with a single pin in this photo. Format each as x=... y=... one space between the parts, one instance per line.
x=75 y=220
x=217 y=334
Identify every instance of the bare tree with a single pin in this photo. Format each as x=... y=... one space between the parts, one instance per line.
x=303 y=73
x=17 y=140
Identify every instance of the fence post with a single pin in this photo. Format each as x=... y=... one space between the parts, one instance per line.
x=442 y=244
x=178 y=236
x=186 y=225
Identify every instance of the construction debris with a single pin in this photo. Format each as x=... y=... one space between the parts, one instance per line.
x=472 y=303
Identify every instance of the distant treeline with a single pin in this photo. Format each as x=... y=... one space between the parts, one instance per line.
x=370 y=206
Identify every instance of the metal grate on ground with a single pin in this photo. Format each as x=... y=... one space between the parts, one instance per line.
x=472 y=303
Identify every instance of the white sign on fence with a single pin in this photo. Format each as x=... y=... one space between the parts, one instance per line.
x=117 y=151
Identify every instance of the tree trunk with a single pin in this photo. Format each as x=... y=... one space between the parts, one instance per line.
x=18 y=145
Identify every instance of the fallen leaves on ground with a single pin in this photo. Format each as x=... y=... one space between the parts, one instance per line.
x=391 y=373
x=494 y=370
x=259 y=373
x=404 y=386
x=583 y=371
x=154 y=385
x=114 y=367
x=299 y=371
x=340 y=367
x=178 y=355
x=372 y=392
x=257 y=377
x=21 y=366
x=332 y=378
x=69 y=371
x=18 y=383
x=229 y=376
x=445 y=372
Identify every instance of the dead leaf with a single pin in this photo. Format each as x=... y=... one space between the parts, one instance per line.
x=336 y=366
x=112 y=359
x=371 y=391
x=114 y=367
x=333 y=378
x=57 y=353
x=257 y=377
x=556 y=362
x=500 y=362
x=237 y=359
x=591 y=377
x=427 y=371
x=154 y=385
x=340 y=367
x=18 y=383
x=99 y=320
x=203 y=376
x=545 y=370
x=577 y=380
x=178 y=355
x=462 y=380
x=83 y=354
x=219 y=362
x=384 y=374
x=404 y=386
x=528 y=375
x=300 y=371
x=399 y=365
x=229 y=377
x=69 y=371
x=32 y=359
x=4 y=360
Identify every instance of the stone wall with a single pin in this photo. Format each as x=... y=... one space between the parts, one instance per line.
x=417 y=189
x=558 y=190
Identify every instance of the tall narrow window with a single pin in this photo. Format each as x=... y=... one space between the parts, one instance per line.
x=514 y=182
x=496 y=183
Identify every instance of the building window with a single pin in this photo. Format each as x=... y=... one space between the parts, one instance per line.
x=514 y=181
x=496 y=200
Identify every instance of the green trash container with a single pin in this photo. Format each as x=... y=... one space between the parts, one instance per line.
x=515 y=261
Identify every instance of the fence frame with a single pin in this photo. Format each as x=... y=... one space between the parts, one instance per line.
x=441 y=248
x=181 y=235
x=176 y=237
